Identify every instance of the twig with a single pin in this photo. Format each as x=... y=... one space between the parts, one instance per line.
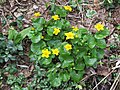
x=84 y=4
x=87 y=77
x=95 y=82
x=103 y=80
x=23 y=66
x=115 y=83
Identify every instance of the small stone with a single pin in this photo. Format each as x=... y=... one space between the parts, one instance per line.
x=35 y=7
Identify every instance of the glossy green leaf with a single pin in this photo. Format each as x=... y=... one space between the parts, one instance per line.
x=46 y=61
x=89 y=61
x=12 y=34
x=36 y=38
x=56 y=82
x=101 y=43
x=91 y=42
x=79 y=65
x=76 y=76
x=90 y=13
x=102 y=34
x=100 y=53
x=50 y=31
x=37 y=47
x=65 y=76
x=66 y=60
x=61 y=12
x=40 y=21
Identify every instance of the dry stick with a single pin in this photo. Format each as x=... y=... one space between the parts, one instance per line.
x=103 y=79
x=87 y=77
x=115 y=83
x=93 y=4
x=96 y=82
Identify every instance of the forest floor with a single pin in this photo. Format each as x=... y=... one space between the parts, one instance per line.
x=18 y=13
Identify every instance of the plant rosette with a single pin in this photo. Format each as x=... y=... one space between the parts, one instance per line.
x=65 y=50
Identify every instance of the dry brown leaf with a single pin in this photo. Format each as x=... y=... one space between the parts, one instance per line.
x=103 y=70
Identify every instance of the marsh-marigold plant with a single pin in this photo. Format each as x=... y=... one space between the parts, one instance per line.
x=61 y=49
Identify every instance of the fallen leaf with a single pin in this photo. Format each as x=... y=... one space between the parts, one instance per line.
x=102 y=70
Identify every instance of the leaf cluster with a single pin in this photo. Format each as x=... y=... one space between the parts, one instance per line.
x=87 y=48
x=8 y=50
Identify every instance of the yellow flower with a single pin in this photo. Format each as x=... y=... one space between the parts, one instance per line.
x=75 y=28
x=32 y=28
x=42 y=37
x=55 y=51
x=56 y=31
x=45 y=53
x=69 y=35
x=37 y=14
x=68 y=47
x=99 y=26
x=55 y=17
x=68 y=8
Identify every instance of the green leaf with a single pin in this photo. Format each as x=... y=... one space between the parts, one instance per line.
x=65 y=23
x=46 y=61
x=66 y=60
x=37 y=47
x=91 y=42
x=83 y=30
x=118 y=27
x=58 y=24
x=40 y=21
x=101 y=43
x=76 y=76
x=65 y=76
x=56 y=82
x=100 y=53
x=47 y=37
x=12 y=33
x=37 y=27
x=61 y=12
x=90 y=13
x=89 y=61
x=54 y=43
x=102 y=34
x=36 y=38
x=82 y=52
x=25 y=32
x=50 y=31
x=67 y=63
x=18 y=38
x=79 y=65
